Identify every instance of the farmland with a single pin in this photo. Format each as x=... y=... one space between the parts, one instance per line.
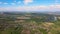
x=29 y=23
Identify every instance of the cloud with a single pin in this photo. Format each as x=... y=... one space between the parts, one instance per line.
x=55 y=7
x=14 y=0
x=32 y=8
x=13 y=3
x=19 y=2
x=25 y=8
x=27 y=1
x=0 y=2
x=5 y=3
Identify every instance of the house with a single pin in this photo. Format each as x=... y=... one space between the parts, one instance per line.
x=22 y=19
x=58 y=17
x=50 y=18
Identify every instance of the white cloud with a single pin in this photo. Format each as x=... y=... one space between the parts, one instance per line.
x=14 y=0
x=32 y=8
x=0 y=2
x=13 y=3
x=27 y=1
x=55 y=7
x=19 y=2
x=25 y=8
x=5 y=3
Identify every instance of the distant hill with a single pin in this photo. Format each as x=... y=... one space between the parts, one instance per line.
x=36 y=12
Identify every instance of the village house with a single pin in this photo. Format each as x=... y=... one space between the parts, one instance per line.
x=22 y=19
x=58 y=17
x=50 y=18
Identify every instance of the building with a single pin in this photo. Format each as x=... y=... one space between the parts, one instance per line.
x=22 y=19
x=51 y=18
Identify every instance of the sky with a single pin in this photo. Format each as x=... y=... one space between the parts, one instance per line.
x=29 y=5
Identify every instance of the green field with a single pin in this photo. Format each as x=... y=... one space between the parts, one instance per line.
x=35 y=25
